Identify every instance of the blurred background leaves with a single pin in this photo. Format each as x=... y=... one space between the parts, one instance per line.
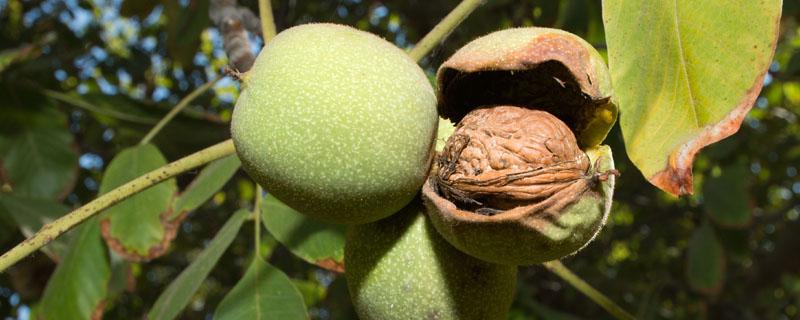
x=80 y=81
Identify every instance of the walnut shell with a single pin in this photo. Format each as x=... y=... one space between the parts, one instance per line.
x=502 y=157
x=513 y=187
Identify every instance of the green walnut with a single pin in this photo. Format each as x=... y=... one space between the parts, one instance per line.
x=523 y=179
x=337 y=123
x=401 y=268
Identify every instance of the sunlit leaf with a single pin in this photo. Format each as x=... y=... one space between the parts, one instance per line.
x=264 y=292
x=142 y=226
x=78 y=287
x=178 y=294
x=705 y=261
x=316 y=242
x=212 y=178
x=726 y=196
x=30 y=214
x=685 y=74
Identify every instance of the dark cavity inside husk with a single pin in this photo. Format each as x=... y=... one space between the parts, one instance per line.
x=547 y=86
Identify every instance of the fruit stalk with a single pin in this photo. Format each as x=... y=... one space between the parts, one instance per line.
x=444 y=28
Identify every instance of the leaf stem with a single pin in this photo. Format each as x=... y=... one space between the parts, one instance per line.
x=444 y=28
x=268 y=29
x=68 y=99
x=178 y=107
x=257 y=219
x=53 y=230
x=598 y=297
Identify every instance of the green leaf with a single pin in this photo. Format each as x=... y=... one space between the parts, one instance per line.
x=107 y=109
x=318 y=243
x=40 y=161
x=727 y=200
x=184 y=25
x=78 y=287
x=705 y=261
x=137 y=8
x=30 y=214
x=142 y=226
x=180 y=291
x=264 y=292
x=212 y=178
x=685 y=74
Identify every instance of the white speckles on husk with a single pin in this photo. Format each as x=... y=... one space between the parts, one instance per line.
x=401 y=268
x=337 y=123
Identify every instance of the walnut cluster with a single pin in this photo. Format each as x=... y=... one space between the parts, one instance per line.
x=503 y=157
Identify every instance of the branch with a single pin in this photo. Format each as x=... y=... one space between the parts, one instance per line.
x=52 y=230
x=596 y=296
x=444 y=28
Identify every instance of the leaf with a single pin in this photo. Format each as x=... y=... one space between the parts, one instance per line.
x=264 y=292
x=318 y=243
x=40 y=160
x=705 y=261
x=212 y=178
x=178 y=294
x=141 y=227
x=727 y=199
x=184 y=25
x=137 y=8
x=685 y=74
x=30 y=214
x=78 y=287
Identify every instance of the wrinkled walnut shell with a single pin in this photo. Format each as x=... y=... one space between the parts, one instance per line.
x=503 y=157
x=512 y=187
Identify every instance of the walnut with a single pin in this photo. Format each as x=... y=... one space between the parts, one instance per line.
x=503 y=157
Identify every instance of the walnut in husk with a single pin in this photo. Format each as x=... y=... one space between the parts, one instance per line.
x=503 y=157
x=523 y=179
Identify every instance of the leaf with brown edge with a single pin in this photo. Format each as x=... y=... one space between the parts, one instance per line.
x=315 y=242
x=687 y=79
x=141 y=227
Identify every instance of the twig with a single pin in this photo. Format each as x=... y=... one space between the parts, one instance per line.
x=596 y=296
x=444 y=28
x=52 y=230
x=267 y=20
x=178 y=107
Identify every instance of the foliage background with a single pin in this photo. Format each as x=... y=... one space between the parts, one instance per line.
x=729 y=251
